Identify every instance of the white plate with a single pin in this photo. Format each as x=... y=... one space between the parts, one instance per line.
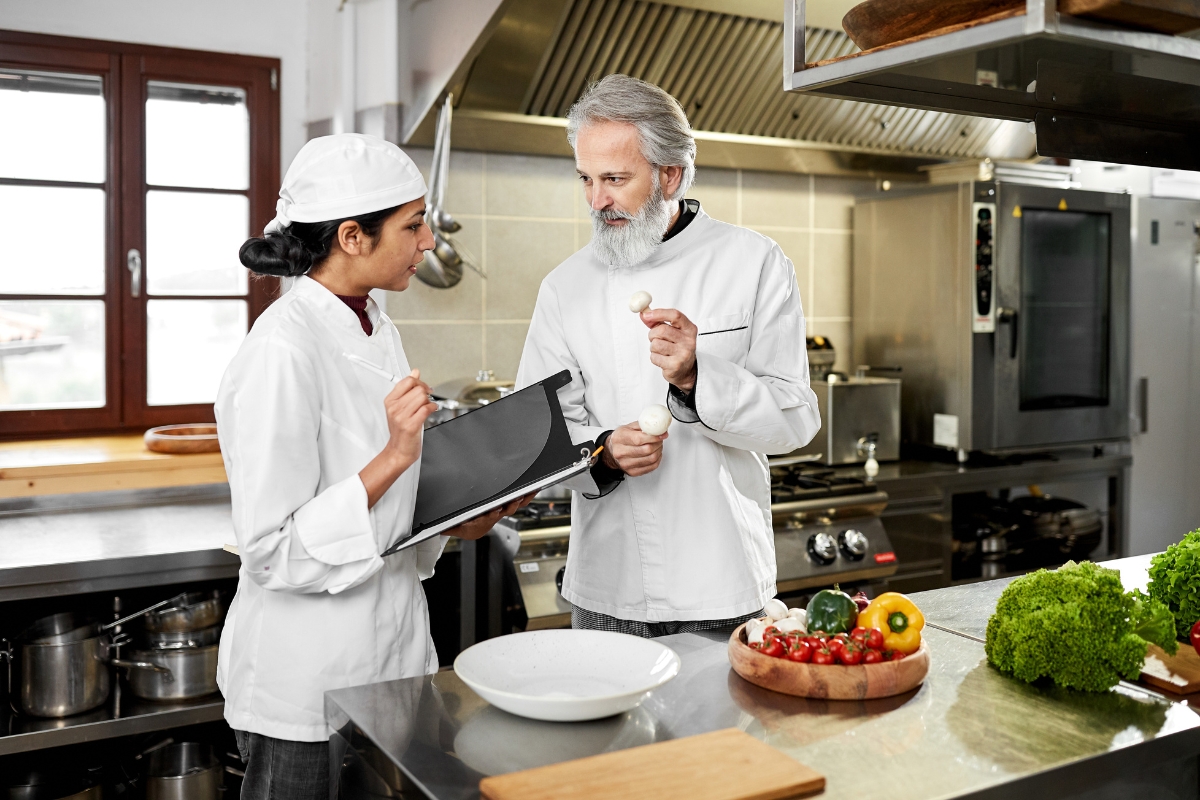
x=566 y=675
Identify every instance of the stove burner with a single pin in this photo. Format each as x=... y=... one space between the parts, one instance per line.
x=804 y=482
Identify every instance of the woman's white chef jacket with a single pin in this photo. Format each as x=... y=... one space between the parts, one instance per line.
x=316 y=607
x=693 y=539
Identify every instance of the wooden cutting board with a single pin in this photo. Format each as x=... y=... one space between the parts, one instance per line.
x=1185 y=664
x=722 y=765
x=875 y=23
x=1161 y=16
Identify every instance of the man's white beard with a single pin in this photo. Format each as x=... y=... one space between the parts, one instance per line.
x=633 y=242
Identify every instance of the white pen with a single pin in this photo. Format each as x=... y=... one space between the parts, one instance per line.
x=383 y=373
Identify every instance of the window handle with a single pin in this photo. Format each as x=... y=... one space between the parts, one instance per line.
x=133 y=260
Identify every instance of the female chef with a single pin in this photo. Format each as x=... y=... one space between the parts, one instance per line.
x=322 y=453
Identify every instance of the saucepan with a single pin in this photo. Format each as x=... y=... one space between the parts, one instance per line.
x=44 y=784
x=191 y=611
x=171 y=673
x=184 y=771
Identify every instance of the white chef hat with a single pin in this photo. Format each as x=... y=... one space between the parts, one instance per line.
x=345 y=175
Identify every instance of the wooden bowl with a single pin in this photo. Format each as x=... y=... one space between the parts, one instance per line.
x=827 y=681
x=198 y=437
x=877 y=23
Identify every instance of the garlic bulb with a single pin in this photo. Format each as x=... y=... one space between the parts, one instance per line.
x=654 y=419
x=639 y=302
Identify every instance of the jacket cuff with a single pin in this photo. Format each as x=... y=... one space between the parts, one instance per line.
x=335 y=526
x=681 y=404
x=607 y=479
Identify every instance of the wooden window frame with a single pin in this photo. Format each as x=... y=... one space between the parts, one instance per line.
x=125 y=70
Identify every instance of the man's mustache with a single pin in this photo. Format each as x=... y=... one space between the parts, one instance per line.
x=613 y=214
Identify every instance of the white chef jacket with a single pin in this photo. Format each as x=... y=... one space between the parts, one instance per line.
x=693 y=539
x=316 y=608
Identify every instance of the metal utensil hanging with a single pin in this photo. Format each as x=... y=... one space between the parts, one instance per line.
x=442 y=267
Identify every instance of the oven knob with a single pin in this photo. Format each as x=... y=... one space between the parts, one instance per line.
x=853 y=543
x=822 y=548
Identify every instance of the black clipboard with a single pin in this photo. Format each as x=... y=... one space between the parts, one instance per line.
x=491 y=456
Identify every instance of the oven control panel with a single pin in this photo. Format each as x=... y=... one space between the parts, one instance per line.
x=822 y=553
x=983 y=306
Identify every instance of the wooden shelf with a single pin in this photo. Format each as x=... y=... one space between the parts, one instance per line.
x=97 y=464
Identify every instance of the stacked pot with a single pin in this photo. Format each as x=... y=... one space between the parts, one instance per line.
x=174 y=657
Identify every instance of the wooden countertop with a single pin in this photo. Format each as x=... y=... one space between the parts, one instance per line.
x=97 y=464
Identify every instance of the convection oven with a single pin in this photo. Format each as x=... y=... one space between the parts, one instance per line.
x=1006 y=305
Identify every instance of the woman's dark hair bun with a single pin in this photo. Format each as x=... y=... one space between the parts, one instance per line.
x=278 y=254
x=303 y=245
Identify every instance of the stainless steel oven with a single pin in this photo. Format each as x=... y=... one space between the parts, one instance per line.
x=1006 y=305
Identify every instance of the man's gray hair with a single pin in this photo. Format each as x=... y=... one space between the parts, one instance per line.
x=663 y=129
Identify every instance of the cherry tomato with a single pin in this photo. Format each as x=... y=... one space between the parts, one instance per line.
x=874 y=639
x=859 y=634
x=1194 y=635
x=893 y=655
x=845 y=637
x=850 y=655
x=815 y=641
x=823 y=656
x=872 y=657
x=771 y=630
x=835 y=646
x=773 y=647
x=802 y=652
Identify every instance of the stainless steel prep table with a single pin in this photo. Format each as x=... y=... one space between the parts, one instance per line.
x=74 y=544
x=967 y=731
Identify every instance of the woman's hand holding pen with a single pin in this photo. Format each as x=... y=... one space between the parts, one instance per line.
x=407 y=407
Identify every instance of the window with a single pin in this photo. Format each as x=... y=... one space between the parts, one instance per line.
x=129 y=177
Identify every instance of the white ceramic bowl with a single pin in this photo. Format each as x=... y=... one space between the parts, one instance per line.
x=566 y=675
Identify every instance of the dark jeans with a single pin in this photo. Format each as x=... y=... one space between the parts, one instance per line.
x=277 y=769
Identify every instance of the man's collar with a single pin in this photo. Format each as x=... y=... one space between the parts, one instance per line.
x=687 y=212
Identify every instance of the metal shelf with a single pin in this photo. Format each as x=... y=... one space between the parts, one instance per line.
x=122 y=715
x=1092 y=91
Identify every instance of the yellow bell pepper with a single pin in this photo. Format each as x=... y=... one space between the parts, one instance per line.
x=898 y=618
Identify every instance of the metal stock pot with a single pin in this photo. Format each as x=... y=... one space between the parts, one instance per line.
x=59 y=667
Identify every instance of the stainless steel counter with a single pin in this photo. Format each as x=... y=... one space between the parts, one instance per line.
x=115 y=540
x=968 y=731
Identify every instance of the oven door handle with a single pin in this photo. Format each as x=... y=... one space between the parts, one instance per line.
x=1009 y=316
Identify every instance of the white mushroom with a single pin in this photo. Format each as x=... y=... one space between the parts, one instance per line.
x=754 y=631
x=639 y=302
x=798 y=613
x=776 y=608
x=654 y=419
x=789 y=625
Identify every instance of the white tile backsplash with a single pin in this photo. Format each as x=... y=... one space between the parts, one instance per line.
x=523 y=215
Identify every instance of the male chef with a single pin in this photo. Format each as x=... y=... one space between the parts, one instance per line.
x=669 y=533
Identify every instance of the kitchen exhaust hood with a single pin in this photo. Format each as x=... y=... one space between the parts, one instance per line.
x=720 y=59
x=1091 y=90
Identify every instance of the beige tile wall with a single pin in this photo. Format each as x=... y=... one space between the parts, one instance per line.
x=523 y=215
